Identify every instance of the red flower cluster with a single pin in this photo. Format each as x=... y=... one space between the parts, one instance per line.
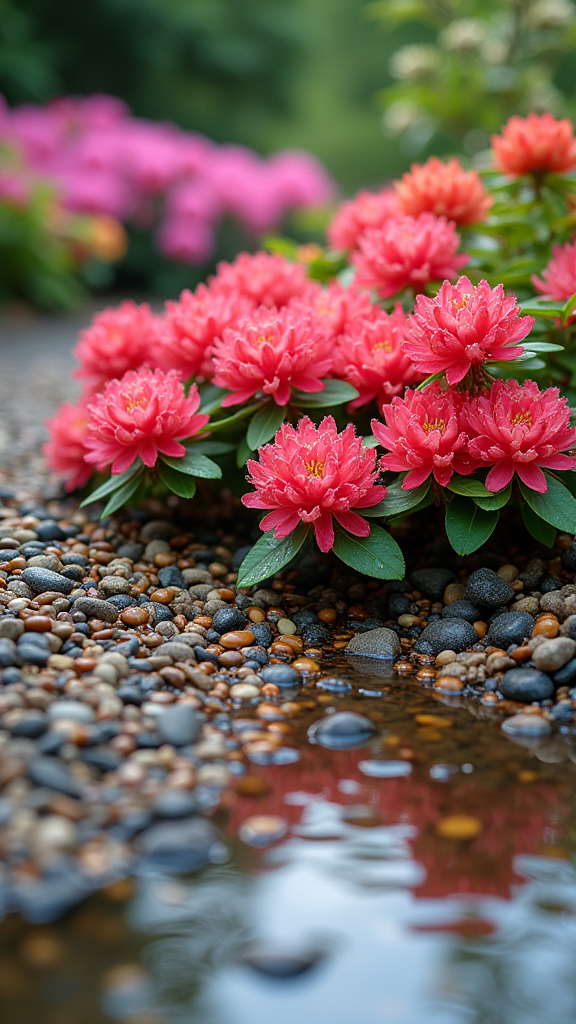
x=465 y=326
x=514 y=428
x=66 y=450
x=536 y=144
x=558 y=281
x=117 y=340
x=312 y=474
x=272 y=351
x=141 y=415
x=353 y=218
x=192 y=325
x=264 y=279
x=370 y=356
x=407 y=252
x=444 y=189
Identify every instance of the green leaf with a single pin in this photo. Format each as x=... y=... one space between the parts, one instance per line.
x=542 y=346
x=114 y=483
x=376 y=555
x=467 y=525
x=210 y=397
x=374 y=511
x=397 y=500
x=539 y=307
x=568 y=308
x=194 y=464
x=336 y=392
x=469 y=486
x=538 y=528
x=269 y=555
x=243 y=452
x=556 y=506
x=230 y=421
x=264 y=424
x=180 y=483
x=498 y=499
x=121 y=496
x=370 y=441
x=213 y=447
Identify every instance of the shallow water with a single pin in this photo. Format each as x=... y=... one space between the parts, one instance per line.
x=363 y=912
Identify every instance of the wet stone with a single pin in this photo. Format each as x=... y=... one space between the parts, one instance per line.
x=527 y=726
x=567 y=674
x=380 y=643
x=345 y=730
x=262 y=830
x=48 y=772
x=31 y=726
x=510 y=628
x=432 y=582
x=333 y=684
x=263 y=634
x=181 y=847
x=33 y=654
x=72 y=710
x=175 y=803
x=171 y=576
x=462 y=609
x=526 y=685
x=280 y=675
x=488 y=589
x=554 y=654
x=314 y=634
x=42 y=580
x=446 y=634
x=176 y=650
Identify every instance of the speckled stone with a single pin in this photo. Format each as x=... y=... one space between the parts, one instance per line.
x=446 y=635
x=488 y=589
x=380 y=643
x=526 y=685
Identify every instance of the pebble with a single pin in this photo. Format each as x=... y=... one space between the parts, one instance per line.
x=179 y=725
x=526 y=685
x=527 y=726
x=280 y=675
x=386 y=769
x=262 y=830
x=72 y=710
x=52 y=774
x=453 y=634
x=462 y=827
x=228 y=619
x=344 y=730
x=462 y=609
x=433 y=582
x=510 y=628
x=41 y=580
x=487 y=589
x=380 y=643
x=181 y=847
x=554 y=654
x=94 y=608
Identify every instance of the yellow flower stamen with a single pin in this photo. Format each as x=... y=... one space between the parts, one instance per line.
x=436 y=425
x=522 y=417
x=382 y=346
x=314 y=468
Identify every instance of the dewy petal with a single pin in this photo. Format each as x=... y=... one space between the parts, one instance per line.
x=353 y=523
x=500 y=475
x=531 y=475
x=324 y=529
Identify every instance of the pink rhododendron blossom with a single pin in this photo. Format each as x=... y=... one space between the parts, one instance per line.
x=535 y=145
x=190 y=240
x=264 y=278
x=66 y=449
x=517 y=428
x=336 y=306
x=311 y=474
x=369 y=356
x=424 y=435
x=117 y=340
x=191 y=326
x=465 y=326
x=141 y=415
x=365 y=210
x=272 y=351
x=444 y=189
x=407 y=252
x=558 y=281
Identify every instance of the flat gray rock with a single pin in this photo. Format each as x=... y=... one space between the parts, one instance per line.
x=375 y=643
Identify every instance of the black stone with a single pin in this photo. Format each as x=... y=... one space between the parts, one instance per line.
x=203 y=655
x=486 y=588
x=175 y=803
x=158 y=612
x=130 y=695
x=280 y=675
x=76 y=573
x=128 y=647
x=263 y=634
x=48 y=772
x=313 y=634
x=50 y=743
x=304 y=617
x=148 y=740
x=255 y=657
x=550 y=583
x=462 y=609
x=432 y=582
x=345 y=730
x=510 y=628
x=569 y=558
x=170 y=576
x=31 y=727
x=94 y=608
x=563 y=712
x=49 y=530
x=7 y=554
x=121 y=601
x=43 y=580
x=180 y=847
x=398 y=604
x=102 y=758
x=446 y=635
x=133 y=551
x=8 y=656
x=332 y=684
x=225 y=620
x=526 y=685
x=32 y=654
x=74 y=558
x=566 y=675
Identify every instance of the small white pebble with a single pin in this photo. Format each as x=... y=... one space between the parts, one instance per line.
x=286 y=626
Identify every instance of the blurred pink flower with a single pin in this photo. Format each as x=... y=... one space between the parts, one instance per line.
x=66 y=450
x=535 y=144
x=191 y=326
x=558 y=281
x=311 y=474
x=264 y=278
x=407 y=252
x=117 y=340
x=355 y=216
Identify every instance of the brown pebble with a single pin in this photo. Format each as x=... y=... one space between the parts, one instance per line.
x=448 y=684
x=173 y=675
x=163 y=595
x=521 y=654
x=547 y=626
x=453 y=592
x=282 y=649
x=103 y=634
x=438 y=721
x=328 y=615
x=82 y=665
x=425 y=673
x=481 y=628
x=256 y=615
x=163 y=559
x=252 y=785
x=231 y=659
x=459 y=826
x=270 y=690
x=134 y=616
x=38 y=623
x=236 y=639
x=306 y=665
x=207 y=667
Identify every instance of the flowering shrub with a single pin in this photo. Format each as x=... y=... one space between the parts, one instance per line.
x=243 y=371
x=102 y=161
